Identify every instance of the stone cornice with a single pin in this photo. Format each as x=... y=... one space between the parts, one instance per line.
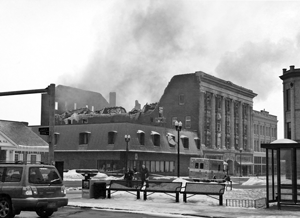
x=212 y=80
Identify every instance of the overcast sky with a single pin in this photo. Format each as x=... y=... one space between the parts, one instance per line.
x=135 y=47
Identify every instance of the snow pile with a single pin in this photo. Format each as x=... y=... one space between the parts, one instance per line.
x=72 y=175
x=255 y=181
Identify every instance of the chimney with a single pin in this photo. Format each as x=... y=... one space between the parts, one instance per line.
x=292 y=67
x=284 y=71
x=137 y=105
x=112 y=99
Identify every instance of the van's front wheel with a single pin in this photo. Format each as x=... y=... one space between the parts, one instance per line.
x=44 y=213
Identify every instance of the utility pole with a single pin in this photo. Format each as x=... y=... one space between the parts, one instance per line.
x=51 y=98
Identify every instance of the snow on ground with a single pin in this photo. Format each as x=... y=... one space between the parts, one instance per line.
x=162 y=204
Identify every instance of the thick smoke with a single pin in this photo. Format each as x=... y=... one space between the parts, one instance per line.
x=145 y=42
x=257 y=66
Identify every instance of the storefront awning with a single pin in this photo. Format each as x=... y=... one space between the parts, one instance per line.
x=245 y=163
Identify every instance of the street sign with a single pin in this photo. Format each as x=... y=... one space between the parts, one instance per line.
x=44 y=130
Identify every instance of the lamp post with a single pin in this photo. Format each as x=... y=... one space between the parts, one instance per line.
x=178 y=126
x=127 y=139
x=241 y=162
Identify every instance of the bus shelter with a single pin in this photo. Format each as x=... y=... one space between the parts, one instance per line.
x=282 y=172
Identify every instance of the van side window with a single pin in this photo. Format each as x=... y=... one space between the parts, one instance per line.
x=13 y=174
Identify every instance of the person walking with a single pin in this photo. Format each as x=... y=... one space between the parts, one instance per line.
x=144 y=175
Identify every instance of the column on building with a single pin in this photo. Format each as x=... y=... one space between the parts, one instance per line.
x=223 y=123
x=293 y=123
x=213 y=121
x=241 y=126
x=250 y=132
x=202 y=117
x=232 y=125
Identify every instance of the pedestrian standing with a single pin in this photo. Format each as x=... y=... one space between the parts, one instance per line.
x=135 y=173
x=128 y=177
x=144 y=175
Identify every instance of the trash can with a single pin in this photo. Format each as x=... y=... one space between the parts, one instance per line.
x=99 y=190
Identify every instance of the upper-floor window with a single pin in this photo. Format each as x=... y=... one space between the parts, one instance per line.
x=84 y=138
x=56 y=105
x=260 y=128
x=155 y=138
x=75 y=106
x=141 y=137
x=188 y=122
x=185 y=142
x=56 y=137
x=181 y=99
x=112 y=137
x=197 y=141
x=288 y=130
x=288 y=99
x=18 y=157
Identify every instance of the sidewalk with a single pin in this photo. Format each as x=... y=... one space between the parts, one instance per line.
x=158 y=203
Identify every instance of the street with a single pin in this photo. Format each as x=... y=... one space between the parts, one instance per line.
x=77 y=212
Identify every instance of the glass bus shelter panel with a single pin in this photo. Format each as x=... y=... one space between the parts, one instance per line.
x=298 y=173
x=286 y=174
x=272 y=174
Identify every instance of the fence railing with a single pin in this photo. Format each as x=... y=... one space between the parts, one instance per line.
x=253 y=203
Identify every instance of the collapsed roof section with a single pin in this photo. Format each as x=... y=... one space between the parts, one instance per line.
x=105 y=115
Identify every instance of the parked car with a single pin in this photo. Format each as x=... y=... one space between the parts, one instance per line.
x=30 y=187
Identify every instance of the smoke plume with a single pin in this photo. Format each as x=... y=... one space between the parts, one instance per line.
x=141 y=55
x=257 y=66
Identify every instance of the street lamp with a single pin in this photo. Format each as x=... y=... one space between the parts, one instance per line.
x=241 y=162
x=178 y=126
x=127 y=139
